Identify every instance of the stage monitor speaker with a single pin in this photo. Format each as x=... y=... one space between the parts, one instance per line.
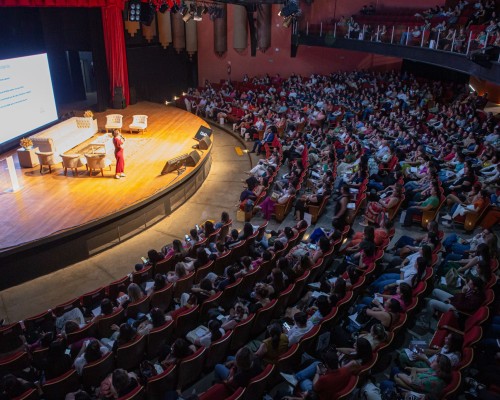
x=192 y=159
x=174 y=164
x=202 y=132
x=205 y=143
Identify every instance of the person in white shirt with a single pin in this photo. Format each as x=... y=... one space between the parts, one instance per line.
x=301 y=327
x=92 y=350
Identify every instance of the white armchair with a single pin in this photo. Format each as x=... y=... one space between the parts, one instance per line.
x=139 y=123
x=114 y=121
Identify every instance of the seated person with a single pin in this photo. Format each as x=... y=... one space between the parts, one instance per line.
x=325 y=378
x=429 y=381
x=301 y=326
x=238 y=371
x=273 y=346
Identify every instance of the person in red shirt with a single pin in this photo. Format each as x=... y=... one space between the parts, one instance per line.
x=324 y=378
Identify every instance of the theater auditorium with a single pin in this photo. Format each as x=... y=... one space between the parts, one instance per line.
x=249 y=199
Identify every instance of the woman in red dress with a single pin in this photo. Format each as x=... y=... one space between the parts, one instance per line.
x=119 y=142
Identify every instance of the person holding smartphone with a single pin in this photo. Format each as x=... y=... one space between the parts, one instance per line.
x=325 y=378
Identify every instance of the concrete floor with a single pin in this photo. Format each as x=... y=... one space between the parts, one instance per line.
x=220 y=191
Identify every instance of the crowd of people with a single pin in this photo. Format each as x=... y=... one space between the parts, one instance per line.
x=387 y=143
x=440 y=27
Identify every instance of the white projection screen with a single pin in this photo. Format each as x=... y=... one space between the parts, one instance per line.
x=26 y=96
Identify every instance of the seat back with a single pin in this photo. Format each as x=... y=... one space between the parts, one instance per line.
x=30 y=394
x=10 y=338
x=186 y=321
x=283 y=301
x=229 y=293
x=145 y=274
x=137 y=394
x=203 y=271
x=139 y=119
x=65 y=307
x=89 y=330
x=191 y=367
x=183 y=285
x=164 y=266
x=157 y=338
x=241 y=333
x=93 y=299
x=114 y=288
x=71 y=160
x=220 y=391
x=258 y=385
x=211 y=302
x=104 y=324
x=263 y=317
x=96 y=161
x=218 y=350
x=46 y=158
x=14 y=363
x=113 y=119
x=139 y=306
x=346 y=392
x=162 y=298
x=161 y=383
x=453 y=387
x=93 y=373
x=130 y=355
x=57 y=388
x=298 y=288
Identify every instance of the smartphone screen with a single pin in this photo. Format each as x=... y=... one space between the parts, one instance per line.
x=197 y=227
x=187 y=238
x=286 y=326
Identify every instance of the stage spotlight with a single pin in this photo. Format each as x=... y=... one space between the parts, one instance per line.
x=291 y=7
x=287 y=21
x=147 y=14
x=183 y=9
x=134 y=10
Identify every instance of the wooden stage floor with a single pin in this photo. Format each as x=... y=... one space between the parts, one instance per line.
x=53 y=203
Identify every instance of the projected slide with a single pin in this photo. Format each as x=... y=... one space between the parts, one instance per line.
x=26 y=96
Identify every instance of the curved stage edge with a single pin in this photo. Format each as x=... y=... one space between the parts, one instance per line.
x=48 y=254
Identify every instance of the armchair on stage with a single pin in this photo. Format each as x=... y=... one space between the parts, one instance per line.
x=139 y=123
x=114 y=121
x=97 y=162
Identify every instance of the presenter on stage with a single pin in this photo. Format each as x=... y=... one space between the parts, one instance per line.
x=119 y=142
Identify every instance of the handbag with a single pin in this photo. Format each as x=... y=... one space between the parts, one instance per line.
x=452 y=277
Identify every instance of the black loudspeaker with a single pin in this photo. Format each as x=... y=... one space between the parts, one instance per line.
x=481 y=59
x=132 y=95
x=192 y=159
x=118 y=99
x=174 y=164
x=204 y=143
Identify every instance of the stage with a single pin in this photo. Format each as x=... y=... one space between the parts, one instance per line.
x=56 y=220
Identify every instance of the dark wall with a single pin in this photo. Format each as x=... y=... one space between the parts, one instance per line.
x=61 y=33
x=430 y=71
x=157 y=74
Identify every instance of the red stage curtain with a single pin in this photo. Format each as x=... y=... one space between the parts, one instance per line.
x=114 y=40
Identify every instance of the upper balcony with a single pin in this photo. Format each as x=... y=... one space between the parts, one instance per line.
x=473 y=51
